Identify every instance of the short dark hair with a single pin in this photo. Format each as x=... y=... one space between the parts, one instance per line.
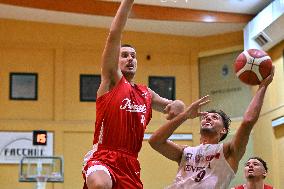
x=261 y=161
x=226 y=121
x=127 y=45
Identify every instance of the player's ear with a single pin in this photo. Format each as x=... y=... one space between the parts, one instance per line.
x=224 y=131
x=264 y=174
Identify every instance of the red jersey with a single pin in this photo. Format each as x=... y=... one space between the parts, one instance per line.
x=122 y=115
x=243 y=187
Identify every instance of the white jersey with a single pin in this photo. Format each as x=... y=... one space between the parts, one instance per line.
x=203 y=167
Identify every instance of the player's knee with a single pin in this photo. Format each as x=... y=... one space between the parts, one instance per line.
x=99 y=182
x=98 y=185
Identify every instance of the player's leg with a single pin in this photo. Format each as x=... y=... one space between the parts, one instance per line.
x=98 y=177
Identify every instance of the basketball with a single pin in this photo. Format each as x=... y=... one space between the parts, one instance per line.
x=252 y=66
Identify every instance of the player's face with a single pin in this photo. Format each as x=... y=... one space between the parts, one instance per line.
x=212 y=122
x=254 y=169
x=128 y=61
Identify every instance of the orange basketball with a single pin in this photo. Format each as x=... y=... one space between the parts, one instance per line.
x=252 y=66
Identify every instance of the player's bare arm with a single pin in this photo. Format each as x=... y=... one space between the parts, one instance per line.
x=110 y=73
x=159 y=140
x=235 y=149
x=169 y=107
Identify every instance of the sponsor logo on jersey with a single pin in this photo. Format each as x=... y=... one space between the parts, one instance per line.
x=210 y=157
x=193 y=168
x=199 y=157
x=131 y=106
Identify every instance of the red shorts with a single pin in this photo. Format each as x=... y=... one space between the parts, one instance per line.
x=123 y=167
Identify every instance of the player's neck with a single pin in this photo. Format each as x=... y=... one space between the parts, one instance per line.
x=209 y=136
x=204 y=139
x=253 y=184
x=130 y=79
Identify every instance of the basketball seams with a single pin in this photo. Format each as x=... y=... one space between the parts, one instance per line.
x=252 y=66
x=248 y=56
x=258 y=61
x=247 y=67
x=255 y=69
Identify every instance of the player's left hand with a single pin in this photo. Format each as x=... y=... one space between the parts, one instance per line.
x=193 y=110
x=174 y=108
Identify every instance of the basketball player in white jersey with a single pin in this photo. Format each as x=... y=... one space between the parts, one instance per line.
x=255 y=171
x=211 y=165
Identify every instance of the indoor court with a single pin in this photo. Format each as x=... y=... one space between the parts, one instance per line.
x=50 y=71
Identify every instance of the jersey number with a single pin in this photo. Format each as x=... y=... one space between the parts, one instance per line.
x=200 y=176
x=143 y=119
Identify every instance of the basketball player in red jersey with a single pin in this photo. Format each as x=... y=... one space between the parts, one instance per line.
x=210 y=165
x=255 y=172
x=123 y=110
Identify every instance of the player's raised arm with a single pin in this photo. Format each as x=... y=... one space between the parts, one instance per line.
x=239 y=142
x=110 y=73
x=159 y=140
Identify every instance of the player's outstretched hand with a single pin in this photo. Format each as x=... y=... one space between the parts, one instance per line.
x=268 y=80
x=193 y=110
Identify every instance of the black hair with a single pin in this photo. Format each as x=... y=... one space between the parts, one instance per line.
x=226 y=121
x=261 y=161
x=127 y=45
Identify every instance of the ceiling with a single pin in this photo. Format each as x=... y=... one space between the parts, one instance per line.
x=177 y=17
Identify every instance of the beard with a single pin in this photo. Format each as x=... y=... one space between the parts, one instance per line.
x=128 y=73
x=250 y=176
x=207 y=130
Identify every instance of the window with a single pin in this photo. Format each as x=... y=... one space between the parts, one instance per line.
x=23 y=86
x=89 y=85
x=164 y=86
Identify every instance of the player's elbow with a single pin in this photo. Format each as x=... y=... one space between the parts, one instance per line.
x=248 y=120
x=251 y=118
x=154 y=142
